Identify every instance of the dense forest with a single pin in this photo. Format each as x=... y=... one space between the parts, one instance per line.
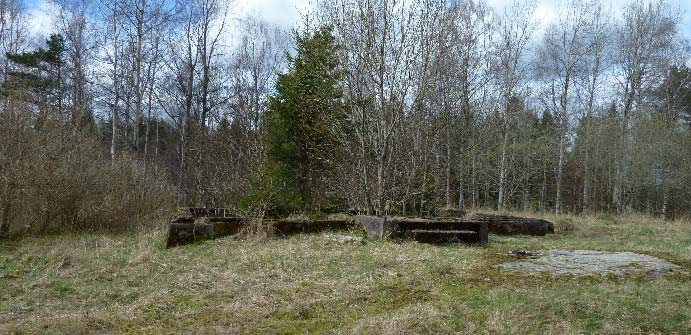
x=133 y=107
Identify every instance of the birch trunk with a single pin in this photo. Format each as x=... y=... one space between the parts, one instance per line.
x=449 y=201
x=560 y=172
x=138 y=59
x=116 y=86
x=502 y=171
x=665 y=201
x=461 y=186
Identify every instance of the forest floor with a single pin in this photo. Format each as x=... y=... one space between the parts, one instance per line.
x=75 y=284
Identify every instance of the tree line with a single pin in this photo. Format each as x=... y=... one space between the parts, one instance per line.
x=381 y=106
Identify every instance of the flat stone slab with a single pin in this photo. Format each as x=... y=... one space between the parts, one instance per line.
x=589 y=262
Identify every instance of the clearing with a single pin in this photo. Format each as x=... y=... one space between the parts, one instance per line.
x=320 y=284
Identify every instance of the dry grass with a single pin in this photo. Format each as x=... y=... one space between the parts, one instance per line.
x=310 y=284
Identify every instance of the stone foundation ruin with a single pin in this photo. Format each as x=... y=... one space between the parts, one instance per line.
x=198 y=224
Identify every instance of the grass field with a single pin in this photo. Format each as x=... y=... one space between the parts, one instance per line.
x=310 y=284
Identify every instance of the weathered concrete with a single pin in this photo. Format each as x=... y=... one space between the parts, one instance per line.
x=186 y=233
x=512 y=225
x=386 y=227
x=227 y=226
x=481 y=228
x=374 y=226
x=208 y=228
x=288 y=227
x=588 y=262
x=444 y=236
x=182 y=219
x=198 y=212
x=189 y=214
x=185 y=230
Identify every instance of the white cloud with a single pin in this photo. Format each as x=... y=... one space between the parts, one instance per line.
x=285 y=13
x=546 y=11
x=41 y=18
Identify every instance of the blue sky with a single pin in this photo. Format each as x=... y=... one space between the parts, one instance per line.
x=287 y=12
x=282 y=12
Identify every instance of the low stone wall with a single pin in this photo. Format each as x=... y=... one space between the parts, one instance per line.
x=198 y=224
x=425 y=230
x=287 y=227
x=512 y=225
x=184 y=231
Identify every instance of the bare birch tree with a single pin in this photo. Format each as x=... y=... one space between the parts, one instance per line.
x=644 y=38
x=560 y=62
x=597 y=42
x=515 y=28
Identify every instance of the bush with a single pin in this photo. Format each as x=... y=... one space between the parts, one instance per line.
x=57 y=179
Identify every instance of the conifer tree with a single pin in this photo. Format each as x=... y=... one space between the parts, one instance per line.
x=38 y=76
x=304 y=122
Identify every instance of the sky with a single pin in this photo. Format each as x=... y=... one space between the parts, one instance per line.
x=283 y=12
x=546 y=10
x=286 y=13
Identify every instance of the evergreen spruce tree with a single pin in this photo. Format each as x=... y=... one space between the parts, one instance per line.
x=304 y=123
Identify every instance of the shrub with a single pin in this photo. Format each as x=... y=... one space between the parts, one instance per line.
x=54 y=178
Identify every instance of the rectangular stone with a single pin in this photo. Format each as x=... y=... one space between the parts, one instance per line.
x=512 y=225
x=374 y=226
x=384 y=227
x=288 y=227
x=187 y=233
x=445 y=236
